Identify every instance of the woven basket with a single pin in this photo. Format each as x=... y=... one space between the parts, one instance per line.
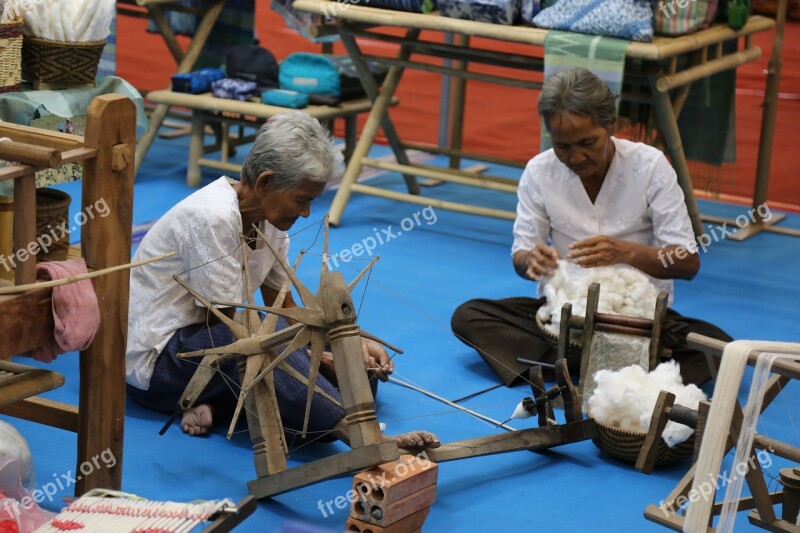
x=573 y=347
x=54 y=62
x=10 y=55
x=52 y=210
x=625 y=445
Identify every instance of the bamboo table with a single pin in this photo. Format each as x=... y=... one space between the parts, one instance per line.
x=209 y=109
x=662 y=79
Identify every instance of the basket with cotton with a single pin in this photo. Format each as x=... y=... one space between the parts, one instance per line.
x=63 y=40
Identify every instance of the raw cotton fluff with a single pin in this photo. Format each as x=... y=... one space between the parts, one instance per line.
x=623 y=291
x=14 y=447
x=626 y=398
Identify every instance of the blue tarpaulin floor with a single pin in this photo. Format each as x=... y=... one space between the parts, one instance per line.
x=437 y=261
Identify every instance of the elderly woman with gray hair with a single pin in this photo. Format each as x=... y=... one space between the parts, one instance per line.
x=292 y=159
x=595 y=200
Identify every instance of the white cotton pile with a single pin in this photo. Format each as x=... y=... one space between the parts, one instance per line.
x=63 y=20
x=623 y=291
x=14 y=447
x=626 y=398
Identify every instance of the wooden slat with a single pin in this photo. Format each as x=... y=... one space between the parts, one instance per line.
x=43 y=411
x=26 y=381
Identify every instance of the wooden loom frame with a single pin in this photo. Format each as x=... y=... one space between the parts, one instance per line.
x=761 y=500
x=106 y=154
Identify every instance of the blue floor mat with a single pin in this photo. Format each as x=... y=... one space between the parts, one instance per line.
x=435 y=262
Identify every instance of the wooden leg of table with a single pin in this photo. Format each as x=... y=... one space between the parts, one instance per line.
x=459 y=101
x=110 y=121
x=672 y=138
x=350 y=130
x=186 y=65
x=157 y=15
x=195 y=149
x=378 y=116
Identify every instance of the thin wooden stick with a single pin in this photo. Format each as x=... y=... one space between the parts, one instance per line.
x=80 y=277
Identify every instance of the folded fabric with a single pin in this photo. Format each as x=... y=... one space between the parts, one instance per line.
x=234 y=89
x=76 y=313
x=494 y=11
x=626 y=19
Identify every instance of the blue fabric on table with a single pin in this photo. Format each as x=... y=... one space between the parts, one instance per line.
x=625 y=19
x=505 y=12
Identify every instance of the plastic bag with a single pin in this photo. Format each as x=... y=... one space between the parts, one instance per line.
x=14 y=446
x=19 y=512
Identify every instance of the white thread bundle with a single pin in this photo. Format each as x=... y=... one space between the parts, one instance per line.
x=91 y=514
x=745 y=442
x=734 y=360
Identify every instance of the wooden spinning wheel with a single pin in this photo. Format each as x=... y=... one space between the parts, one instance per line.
x=328 y=317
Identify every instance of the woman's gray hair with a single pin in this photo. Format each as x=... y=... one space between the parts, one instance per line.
x=580 y=92
x=295 y=147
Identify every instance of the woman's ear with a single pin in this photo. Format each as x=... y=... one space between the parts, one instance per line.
x=263 y=182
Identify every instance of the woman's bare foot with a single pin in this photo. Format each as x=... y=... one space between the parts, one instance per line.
x=197 y=420
x=417 y=440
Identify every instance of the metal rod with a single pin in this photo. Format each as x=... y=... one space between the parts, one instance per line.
x=451 y=404
x=478 y=393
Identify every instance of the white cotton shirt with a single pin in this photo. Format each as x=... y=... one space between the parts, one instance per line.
x=204 y=230
x=639 y=201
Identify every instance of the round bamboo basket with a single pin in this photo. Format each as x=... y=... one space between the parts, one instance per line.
x=52 y=218
x=10 y=55
x=55 y=62
x=625 y=445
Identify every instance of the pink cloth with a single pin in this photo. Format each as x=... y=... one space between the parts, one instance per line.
x=75 y=310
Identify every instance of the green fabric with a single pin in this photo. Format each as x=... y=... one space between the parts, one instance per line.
x=29 y=105
x=604 y=56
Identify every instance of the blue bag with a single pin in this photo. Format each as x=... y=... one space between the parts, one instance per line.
x=326 y=75
x=284 y=98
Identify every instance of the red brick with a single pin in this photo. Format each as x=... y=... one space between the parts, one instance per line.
x=382 y=513
x=410 y=524
x=388 y=485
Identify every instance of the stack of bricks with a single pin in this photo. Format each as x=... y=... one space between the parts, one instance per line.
x=394 y=497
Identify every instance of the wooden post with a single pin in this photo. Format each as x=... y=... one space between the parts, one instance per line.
x=672 y=138
x=25 y=228
x=110 y=121
x=348 y=358
x=6 y=236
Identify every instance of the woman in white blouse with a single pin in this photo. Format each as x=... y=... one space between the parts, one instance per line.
x=594 y=200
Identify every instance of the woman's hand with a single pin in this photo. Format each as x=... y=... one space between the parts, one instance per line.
x=601 y=251
x=376 y=359
x=541 y=261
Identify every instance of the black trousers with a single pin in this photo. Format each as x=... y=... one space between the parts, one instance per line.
x=502 y=330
